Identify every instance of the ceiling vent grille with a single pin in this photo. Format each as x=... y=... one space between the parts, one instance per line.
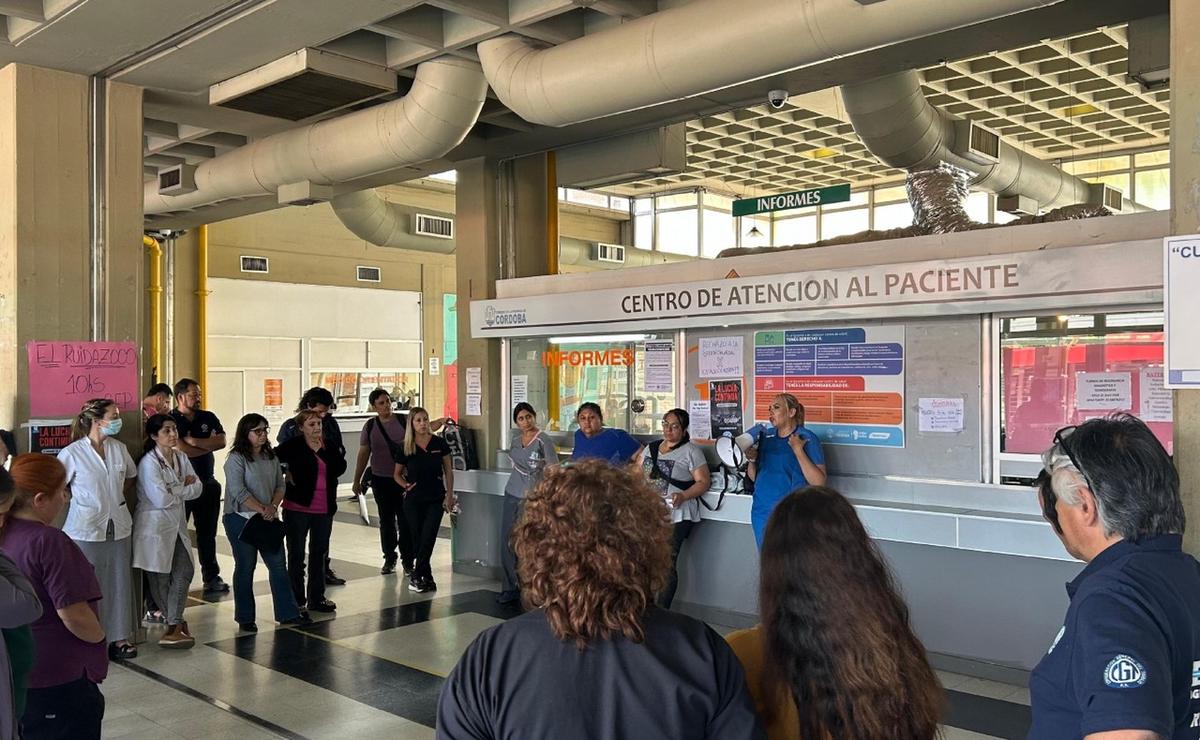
x=1100 y=194
x=976 y=143
x=255 y=264
x=614 y=253
x=369 y=274
x=303 y=84
x=438 y=227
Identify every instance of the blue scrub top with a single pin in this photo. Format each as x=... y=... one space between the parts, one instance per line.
x=613 y=445
x=1128 y=653
x=778 y=472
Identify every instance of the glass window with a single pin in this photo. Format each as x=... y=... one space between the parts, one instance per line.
x=678 y=232
x=858 y=198
x=840 y=223
x=678 y=200
x=718 y=232
x=977 y=206
x=1072 y=368
x=1154 y=188
x=447 y=176
x=789 y=231
x=643 y=205
x=894 y=216
x=1147 y=159
x=350 y=390
x=716 y=200
x=888 y=195
x=583 y=197
x=617 y=203
x=1100 y=164
x=643 y=231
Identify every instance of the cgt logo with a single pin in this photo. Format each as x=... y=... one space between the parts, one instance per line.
x=1124 y=672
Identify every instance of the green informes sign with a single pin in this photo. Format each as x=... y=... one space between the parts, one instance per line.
x=799 y=199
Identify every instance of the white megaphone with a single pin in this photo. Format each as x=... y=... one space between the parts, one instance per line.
x=732 y=450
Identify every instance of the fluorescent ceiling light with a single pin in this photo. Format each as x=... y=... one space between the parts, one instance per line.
x=598 y=338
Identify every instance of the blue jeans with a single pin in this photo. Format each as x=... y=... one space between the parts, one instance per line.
x=245 y=558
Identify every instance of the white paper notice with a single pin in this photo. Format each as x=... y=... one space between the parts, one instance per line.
x=520 y=389
x=474 y=380
x=721 y=357
x=700 y=419
x=1156 y=401
x=435 y=366
x=660 y=370
x=474 y=404
x=1103 y=391
x=940 y=414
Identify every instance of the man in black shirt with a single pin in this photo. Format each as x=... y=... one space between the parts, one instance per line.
x=201 y=434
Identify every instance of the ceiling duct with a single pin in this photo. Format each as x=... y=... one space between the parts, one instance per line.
x=621 y=159
x=669 y=55
x=303 y=84
x=1150 y=51
x=434 y=117
x=374 y=219
x=900 y=127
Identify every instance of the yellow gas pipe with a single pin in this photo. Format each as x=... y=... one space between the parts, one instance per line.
x=552 y=379
x=202 y=307
x=156 y=299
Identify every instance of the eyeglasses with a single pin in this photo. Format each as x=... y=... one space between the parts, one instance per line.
x=1042 y=482
x=671 y=425
x=260 y=430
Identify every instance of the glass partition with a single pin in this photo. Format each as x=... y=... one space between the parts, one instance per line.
x=351 y=389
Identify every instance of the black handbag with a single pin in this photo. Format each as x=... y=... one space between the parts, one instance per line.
x=262 y=535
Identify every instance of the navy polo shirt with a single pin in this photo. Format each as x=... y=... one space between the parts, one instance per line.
x=1128 y=654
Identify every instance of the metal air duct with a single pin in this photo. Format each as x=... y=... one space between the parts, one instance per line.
x=900 y=127
x=707 y=45
x=436 y=115
x=372 y=218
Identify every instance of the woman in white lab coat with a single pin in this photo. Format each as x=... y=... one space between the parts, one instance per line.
x=160 y=541
x=100 y=473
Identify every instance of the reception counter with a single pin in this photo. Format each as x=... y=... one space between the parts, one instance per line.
x=984 y=586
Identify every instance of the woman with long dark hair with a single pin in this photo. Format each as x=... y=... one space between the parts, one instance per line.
x=835 y=655
x=530 y=454
x=254 y=486
x=594 y=657
x=423 y=470
x=678 y=470
x=594 y=440
x=161 y=546
x=100 y=479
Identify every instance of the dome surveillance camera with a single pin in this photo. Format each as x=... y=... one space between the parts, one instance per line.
x=777 y=98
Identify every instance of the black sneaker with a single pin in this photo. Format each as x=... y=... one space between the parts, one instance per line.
x=301 y=621
x=248 y=626
x=331 y=579
x=418 y=584
x=430 y=585
x=389 y=565
x=216 y=586
x=326 y=606
x=508 y=597
x=408 y=567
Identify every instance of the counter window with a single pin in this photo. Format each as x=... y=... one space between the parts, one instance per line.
x=1058 y=370
x=351 y=389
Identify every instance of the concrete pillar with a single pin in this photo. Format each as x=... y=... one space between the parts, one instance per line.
x=502 y=233
x=1185 y=219
x=45 y=219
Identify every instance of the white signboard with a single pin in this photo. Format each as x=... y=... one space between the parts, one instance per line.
x=520 y=389
x=1096 y=275
x=474 y=380
x=721 y=357
x=1156 y=402
x=1181 y=304
x=699 y=419
x=940 y=414
x=1103 y=392
x=474 y=404
x=435 y=366
x=660 y=367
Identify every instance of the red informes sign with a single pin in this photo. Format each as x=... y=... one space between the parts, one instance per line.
x=63 y=375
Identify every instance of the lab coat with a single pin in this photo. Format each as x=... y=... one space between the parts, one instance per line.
x=160 y=518
x=97 y=489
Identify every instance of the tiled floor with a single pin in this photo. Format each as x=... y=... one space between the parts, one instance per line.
x=373 y=671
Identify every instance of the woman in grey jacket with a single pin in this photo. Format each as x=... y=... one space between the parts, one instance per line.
x=19 y=605
x=254 y=488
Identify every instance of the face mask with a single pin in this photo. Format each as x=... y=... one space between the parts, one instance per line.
x=112 y=428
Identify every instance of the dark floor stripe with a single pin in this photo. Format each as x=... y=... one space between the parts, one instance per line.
x=223 y=706
x=350 y=516
x=988 y=716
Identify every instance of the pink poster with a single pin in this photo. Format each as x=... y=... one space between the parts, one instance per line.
x=63 y=375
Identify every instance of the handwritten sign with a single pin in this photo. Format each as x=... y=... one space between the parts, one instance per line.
x=64 y=375
x=721 y=357
x=941 y=414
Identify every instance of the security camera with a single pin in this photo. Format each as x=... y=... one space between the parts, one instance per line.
x=777 y=98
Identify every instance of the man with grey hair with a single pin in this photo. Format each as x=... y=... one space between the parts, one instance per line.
x=1126 y=663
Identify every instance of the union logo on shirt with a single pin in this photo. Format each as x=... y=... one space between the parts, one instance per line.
x=1124 y=672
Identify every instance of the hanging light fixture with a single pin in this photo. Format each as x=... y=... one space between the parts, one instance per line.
x=754 y=232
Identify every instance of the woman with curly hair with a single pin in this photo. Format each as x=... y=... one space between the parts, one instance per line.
x=856 y=678
x=594 y=657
